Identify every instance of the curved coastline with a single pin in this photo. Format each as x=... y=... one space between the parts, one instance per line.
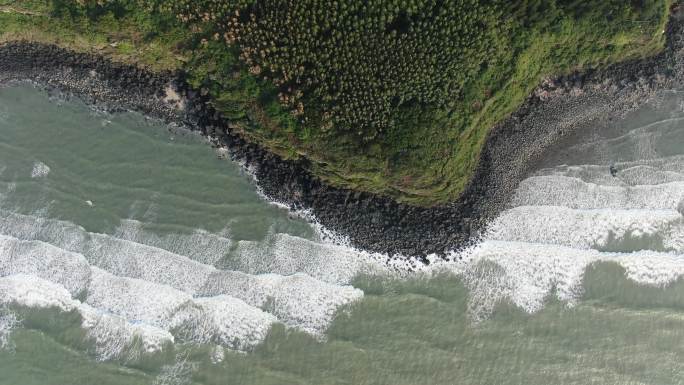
x=559 y=110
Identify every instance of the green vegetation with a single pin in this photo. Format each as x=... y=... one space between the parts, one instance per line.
x=390 y=96
x=130 y=35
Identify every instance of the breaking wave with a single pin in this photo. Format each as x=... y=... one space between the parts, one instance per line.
x=564 y=219
x=39 y=170
x=125 y=289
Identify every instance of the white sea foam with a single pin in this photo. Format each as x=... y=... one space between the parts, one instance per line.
x=527 y=273
x=140 y=284
x=179 y=373
x=218 y=319
x=8 y=322
x=298 y=300
x=286 y=255
x=30 y=291
x=199 y=245
x=217 y=355
x=114 y=337
x=39 y=170
x=134 y=299
x=577 y=194
x=135 y=260
x=61 y=234
x=222 y=320
x=586 y=229
x=117 y=338
x=641 y=172
x=43 y=260
x=650 y=141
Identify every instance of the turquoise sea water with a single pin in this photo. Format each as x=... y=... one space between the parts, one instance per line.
x=132 y=253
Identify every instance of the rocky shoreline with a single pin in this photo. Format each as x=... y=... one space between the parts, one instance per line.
x=559 y=109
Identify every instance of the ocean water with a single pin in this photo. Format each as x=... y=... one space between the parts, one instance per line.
x=131 y=252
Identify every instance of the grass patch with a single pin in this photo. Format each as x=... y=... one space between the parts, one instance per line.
x=131 y=38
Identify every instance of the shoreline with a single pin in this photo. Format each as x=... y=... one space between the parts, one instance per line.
x=559 y=110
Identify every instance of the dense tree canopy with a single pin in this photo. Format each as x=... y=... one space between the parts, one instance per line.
x=358 y=60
